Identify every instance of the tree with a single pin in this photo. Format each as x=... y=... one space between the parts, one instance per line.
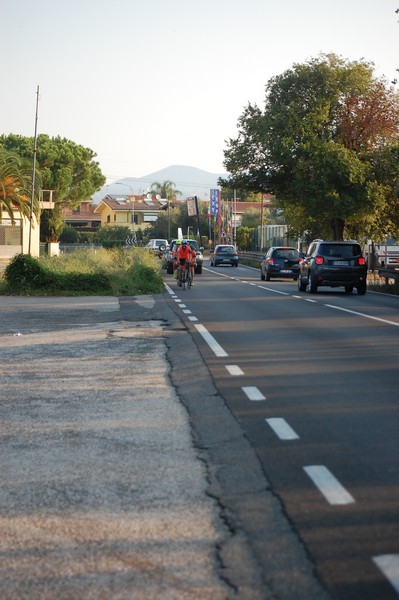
x=166 y=189
x=66 y=168
x=322 y=146
x=16 y=186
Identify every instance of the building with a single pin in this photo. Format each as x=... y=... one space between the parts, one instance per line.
x=23 y=236
x=82 y=216
x=123 y=211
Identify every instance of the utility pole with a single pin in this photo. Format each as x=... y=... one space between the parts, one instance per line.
x=33 y=172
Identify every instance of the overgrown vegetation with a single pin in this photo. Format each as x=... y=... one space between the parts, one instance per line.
x=117 y=272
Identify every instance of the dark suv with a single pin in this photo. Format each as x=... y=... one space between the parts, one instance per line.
x=169 y=256
x=333 y=264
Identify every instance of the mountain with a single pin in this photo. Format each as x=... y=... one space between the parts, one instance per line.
x=188 y=180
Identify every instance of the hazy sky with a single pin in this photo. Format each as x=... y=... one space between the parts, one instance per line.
x=151 y=83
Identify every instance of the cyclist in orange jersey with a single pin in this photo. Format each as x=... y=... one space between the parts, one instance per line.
x=183 y=257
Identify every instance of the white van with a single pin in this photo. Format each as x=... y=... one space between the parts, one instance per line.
x=157 y=246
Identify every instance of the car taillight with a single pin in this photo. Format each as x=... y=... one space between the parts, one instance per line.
x=271 y=261
x=319 y=260
x=362 y=260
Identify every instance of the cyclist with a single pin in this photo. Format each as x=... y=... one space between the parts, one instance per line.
x=175 y=259
x=193 y=262
x=183 y=257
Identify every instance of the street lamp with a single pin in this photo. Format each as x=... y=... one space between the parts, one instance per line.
x=131 y=199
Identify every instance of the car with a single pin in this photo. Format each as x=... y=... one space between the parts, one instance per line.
x=333 y=264
x=280 y=261
x=157 y=246
x=224 y=254
x=168 y=260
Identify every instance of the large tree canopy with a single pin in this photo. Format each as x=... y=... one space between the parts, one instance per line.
x=325 y=145
x=65 y=167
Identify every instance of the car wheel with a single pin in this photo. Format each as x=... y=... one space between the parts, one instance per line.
x=362 y=288
x=311 y=286
x=169 y=269
x=198 y=270
x=262 y=275
x=267 y=276
x=295 y=278
x=301 y=284
x=348 y=289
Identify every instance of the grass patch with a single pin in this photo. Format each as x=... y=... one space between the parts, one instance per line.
x=116 y=272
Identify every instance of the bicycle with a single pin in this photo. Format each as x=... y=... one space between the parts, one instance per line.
x=186 y=277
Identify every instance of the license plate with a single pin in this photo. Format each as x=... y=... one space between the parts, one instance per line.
x=225 y=259
x=341 y=262
x=286 y=271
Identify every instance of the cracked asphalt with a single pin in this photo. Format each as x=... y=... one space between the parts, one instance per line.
x=119 y=478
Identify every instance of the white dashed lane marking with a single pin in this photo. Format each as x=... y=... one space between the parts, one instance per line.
x=262 y=287
x=253 y=393
x=210 y=340
x=328 y=485
x=389 y=565
x=234 y=370
x=282 y=429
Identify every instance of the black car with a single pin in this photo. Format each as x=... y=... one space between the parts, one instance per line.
x=280 y=261
x=333 y=264
x=168 y=259
x=224 y=254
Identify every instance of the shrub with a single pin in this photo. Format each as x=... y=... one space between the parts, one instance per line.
x=26 y=273
x=69 y=235
x=118 y=272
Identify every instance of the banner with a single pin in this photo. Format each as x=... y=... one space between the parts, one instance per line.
x=215 y=202
x=191 y=207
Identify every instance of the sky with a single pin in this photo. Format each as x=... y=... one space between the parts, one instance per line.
x=147 y=84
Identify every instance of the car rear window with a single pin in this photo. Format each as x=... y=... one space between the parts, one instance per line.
x=286 y=253
x=228 y=249
x=340 y=250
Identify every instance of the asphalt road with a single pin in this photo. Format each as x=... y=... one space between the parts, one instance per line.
x=312 y=381
x=124 y=474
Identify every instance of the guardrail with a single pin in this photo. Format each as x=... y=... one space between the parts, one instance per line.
x=256 y=256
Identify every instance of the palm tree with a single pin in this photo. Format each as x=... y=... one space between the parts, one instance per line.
x=166 y=189
x=16 y=186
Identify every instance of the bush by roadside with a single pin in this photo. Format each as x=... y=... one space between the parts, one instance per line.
x=117 y=272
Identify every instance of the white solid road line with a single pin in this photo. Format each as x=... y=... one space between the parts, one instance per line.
x=234 y=370
x=253 y=393
x=210 y=340
x=354 y=312
x=328 y=485
x=282 y=429
x=389 y=565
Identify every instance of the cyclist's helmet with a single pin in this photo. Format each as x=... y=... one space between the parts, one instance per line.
x=184 y=243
